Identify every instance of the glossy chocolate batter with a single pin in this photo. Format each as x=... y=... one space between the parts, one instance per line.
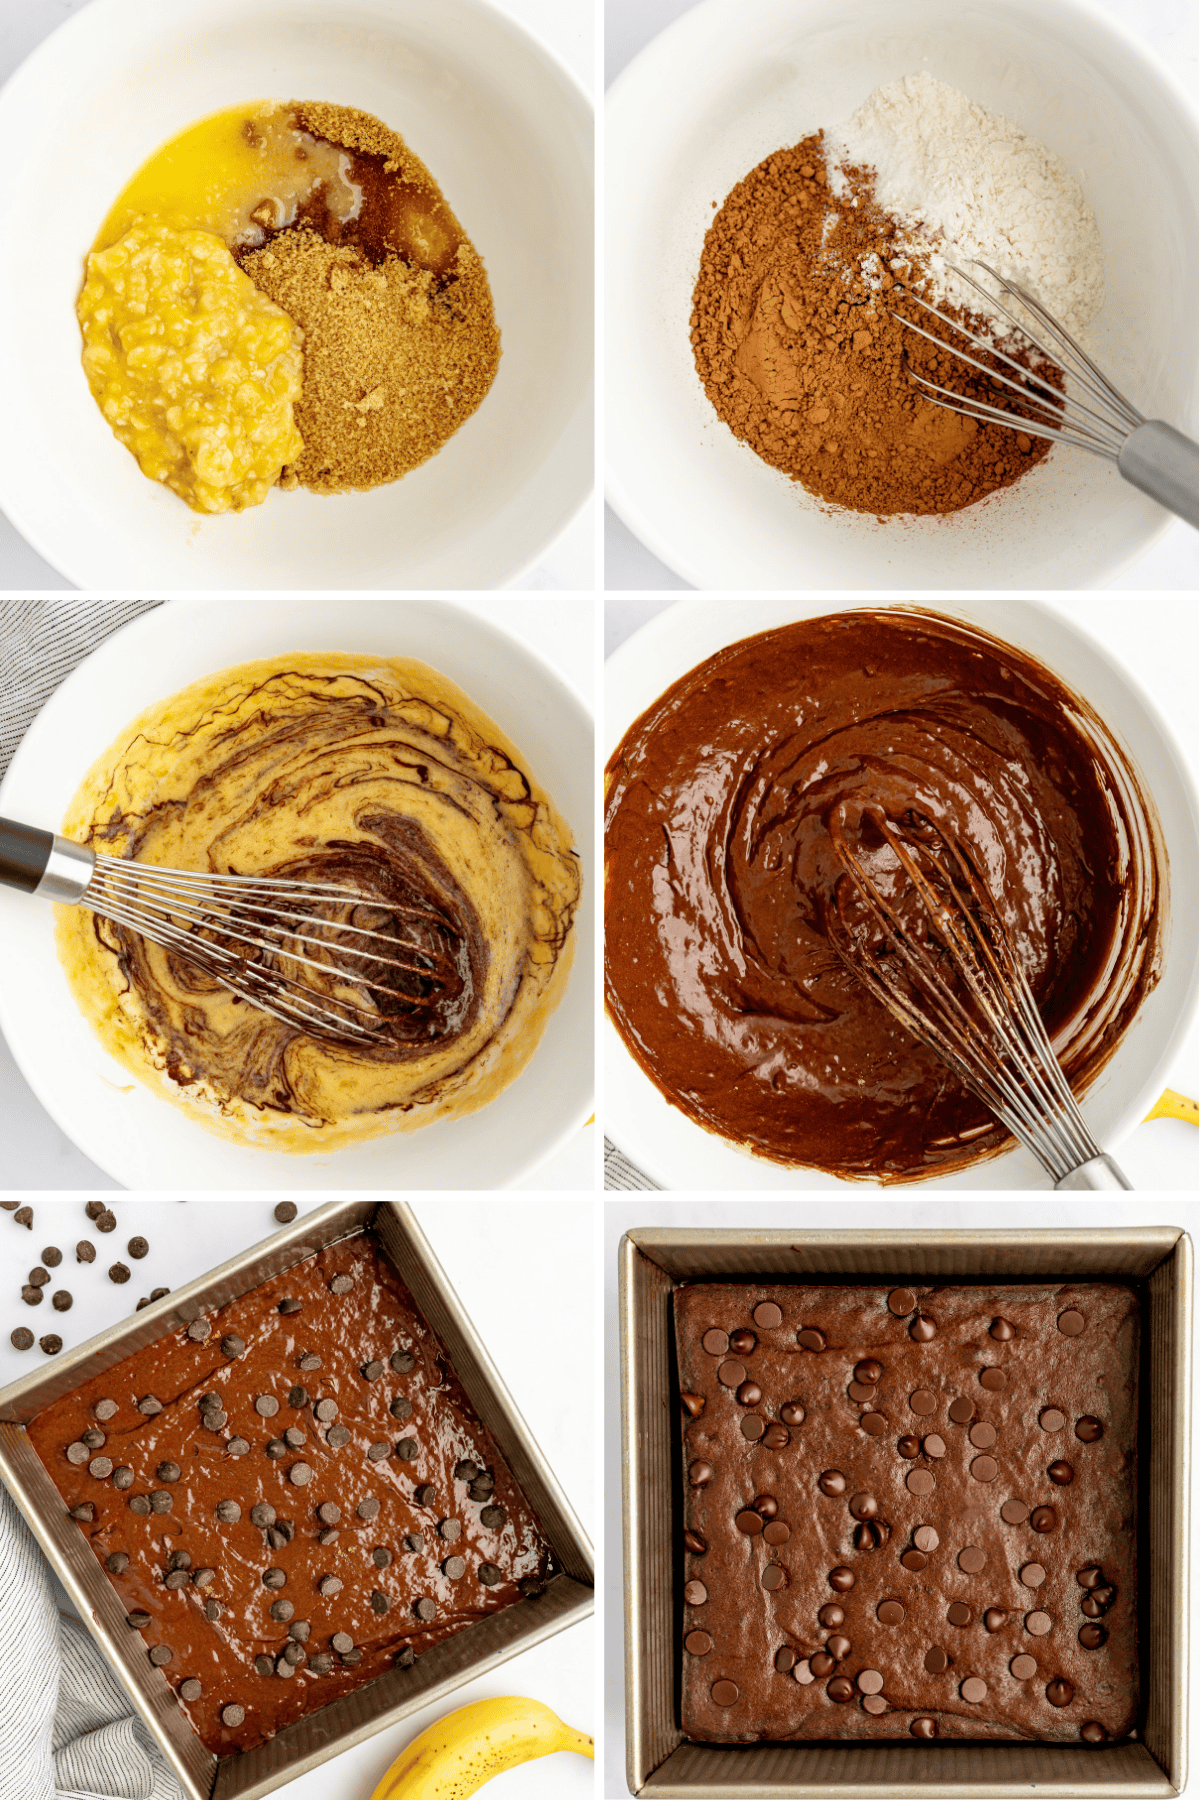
x=421 y=1497
x=723 y=802
x=380 y=776
x=941 y=1540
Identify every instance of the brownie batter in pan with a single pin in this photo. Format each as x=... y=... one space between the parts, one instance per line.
x=292 y=1495
x=720 y=868
x=379 y=775
x=909 y=1511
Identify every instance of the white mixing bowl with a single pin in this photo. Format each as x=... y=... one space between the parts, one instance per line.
x=677 y=1153
x=730 y=82
x=144 y=1140
x=507 y=134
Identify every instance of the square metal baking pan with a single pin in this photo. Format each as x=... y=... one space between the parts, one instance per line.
x=659 y=1759
x=392 y=1696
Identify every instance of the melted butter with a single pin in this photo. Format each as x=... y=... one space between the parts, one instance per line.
x=243 y=173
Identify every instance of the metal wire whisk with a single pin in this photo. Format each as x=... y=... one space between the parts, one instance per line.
x=1150 y=454
x=285 y=946
x=954 y=980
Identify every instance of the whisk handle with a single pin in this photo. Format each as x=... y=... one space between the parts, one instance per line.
x=1100 y=1172
x=1163 y=463
x=40 y=862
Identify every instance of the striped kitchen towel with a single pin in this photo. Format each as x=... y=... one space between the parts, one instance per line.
x=40 y=643
x=67 y=1731
x=620 y=1175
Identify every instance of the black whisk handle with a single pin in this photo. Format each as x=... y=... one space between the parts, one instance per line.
x=1163 y=463
x=39 y=862
x=1099 y=1172
x=24 y=853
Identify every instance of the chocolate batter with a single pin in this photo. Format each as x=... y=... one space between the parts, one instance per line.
x=380 y=776
x=942 y=1539
x=721 y=868
x=421 y=1497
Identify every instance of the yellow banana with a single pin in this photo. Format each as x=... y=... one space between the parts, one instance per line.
x=454 y=1756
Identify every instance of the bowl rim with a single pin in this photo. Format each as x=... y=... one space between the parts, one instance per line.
x=663 y=626
x=673 y=45
x=107 y=17
x=568 y=1116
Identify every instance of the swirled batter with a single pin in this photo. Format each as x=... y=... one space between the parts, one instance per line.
x=382 y=777
x=721 y=868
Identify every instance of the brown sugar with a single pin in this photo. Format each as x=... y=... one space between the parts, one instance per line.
x=799 y=354
x=400 y=340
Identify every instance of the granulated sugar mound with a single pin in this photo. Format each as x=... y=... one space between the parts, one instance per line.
x=965 y=184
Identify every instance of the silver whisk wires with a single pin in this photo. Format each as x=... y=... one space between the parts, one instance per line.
x=1149 y=453
x=955 y=981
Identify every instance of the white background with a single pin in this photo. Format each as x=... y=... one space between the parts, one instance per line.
x=1159 y=644
x=542 y=1333
x=630 y=1211
x=1168 y=27
x=35 y=1154
x=564 y=26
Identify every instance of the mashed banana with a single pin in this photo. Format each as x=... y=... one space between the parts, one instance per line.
x=379 y=776
x=195 y=370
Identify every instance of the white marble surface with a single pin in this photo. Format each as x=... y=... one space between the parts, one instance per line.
x=1160 y=646
x=37 y=1155
x=567 y=27
x=1167 y=27
x=540 y=1345
x=629 y=1211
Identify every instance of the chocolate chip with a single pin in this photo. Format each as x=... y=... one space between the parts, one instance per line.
x=341 y=1284
x=31 y=1295
x=425 y=1611
x=490 y=1575
x=841 y=1579
x=832 y=1482
x=329 y=1513
x=415 y=1541
x=381 y=1557
x=175 y=1579
x=839 y=1689
x=378 y=1451
x=380 y=1602
x=301 y=1630
x=1071 y=1323
x=62 y=1300
x=276 y=1449
x=401 y=1408
x=1091 y=1636
x=985 y=1468
x=1032 y=1574
x=277 y=1537
x=287 y=1307
x=300 y=1474
x=263 y=1665
x=233 y=1716
x=811 y=1339
x=994 y=1618
x=934 y=1445
x=958 y=1614
x=274 y=1578
x=118 y=1273
x=117 y=1563
x=161 y=1501
x=94 y=1208
x=1014 y=1512
x=159 y=1655
x=328 y=1536
x=204 y=1577
x=1088 y=1429
x=238 y=1446
x=294 y=1655
x=325 y=1410
x=338 y=1435
x=101 y=1467
x=21 y=1338
x=920 y=1482
x=168 y=1471
x=1061 y=1474
x=140 y=1504
x=368 y=1508
x=972 y=1559
x=190 y=1689
x=901 y=1301
x=982 y=1435
x=402 y=1361
x=1043 y=1518
x=285 y=1212
x=232 y=1345
x=228 y=1511
x=159 y=1293
x=78 y=1453
x=329 y=1585
x=995 y=1380
x=1023 y=1668
x=282 y=1611
x=1093 y=1732
x=372 y=1371
x=1037 y=1624
x=123 y=1477
x=342 y=1642
x=973 y=1690
x=199 y=1331
x=262 y=1514
x=936 y=1659
x=137 y=1248
x=454 y=1568
x=85 y=1252
x=138 y=1621
x=1060 y=1692
x=494 y=1516
x=1001 y=1330
x=1050 y=1419
x=294 y=1438
x=424 y=1495
x=38 y=1277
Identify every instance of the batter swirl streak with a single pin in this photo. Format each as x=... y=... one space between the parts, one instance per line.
x=725 y=803
x=379 y=777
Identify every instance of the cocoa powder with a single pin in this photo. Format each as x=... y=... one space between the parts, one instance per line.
x=799 y=354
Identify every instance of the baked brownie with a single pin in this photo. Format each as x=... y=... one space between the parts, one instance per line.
x=909 y=1510
x=291 y=1495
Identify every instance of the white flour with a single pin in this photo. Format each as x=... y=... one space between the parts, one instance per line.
x=967 y=185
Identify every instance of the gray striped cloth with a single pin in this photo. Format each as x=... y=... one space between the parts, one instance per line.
x=40 y=643
x=622 y=1176
x=69 y=1732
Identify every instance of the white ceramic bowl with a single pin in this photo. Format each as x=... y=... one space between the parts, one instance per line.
x=145 y=1141
x=727 y=84
x=675 y=1152
x=507 y=134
